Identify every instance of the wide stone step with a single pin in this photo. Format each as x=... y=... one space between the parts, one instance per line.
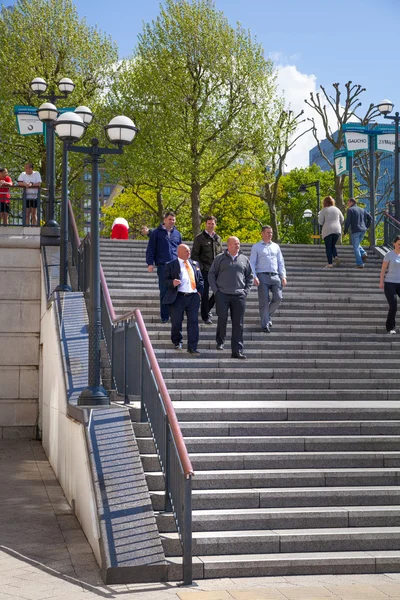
x=290 y=443
x=282 y=541
x=262 y=428
x=293 y=460
x=285 y=478
x=291 y=497
x=311 y=383
x=286 y=518
x=260 y=410
x=230 y=375
x=306 y=395
x=308 y=563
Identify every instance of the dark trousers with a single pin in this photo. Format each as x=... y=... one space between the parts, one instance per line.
x=330 y=246
x=206 y=302
x=392 y=290
x=162 y=286
x=236 y=304
x=188 y=304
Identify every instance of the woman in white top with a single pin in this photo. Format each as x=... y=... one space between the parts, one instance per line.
x=391 y=283
x=331 y=220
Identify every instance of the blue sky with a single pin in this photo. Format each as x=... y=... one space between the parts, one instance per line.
x=313 y=42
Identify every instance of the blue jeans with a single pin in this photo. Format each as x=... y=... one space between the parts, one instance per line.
x=356 y=239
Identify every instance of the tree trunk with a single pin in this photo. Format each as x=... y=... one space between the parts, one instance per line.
x=196 y=216
x=339 y=186
x=160 y=204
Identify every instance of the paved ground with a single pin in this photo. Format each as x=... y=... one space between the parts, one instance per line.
x=44 y=554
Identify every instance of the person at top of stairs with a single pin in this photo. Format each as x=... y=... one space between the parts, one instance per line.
x=162 y=248
x=331 y=220
x=358 y=220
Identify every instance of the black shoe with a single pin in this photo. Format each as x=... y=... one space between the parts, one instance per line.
x=238 y=355
x=266 y=329
x=178 y=346
x=220 y=346
x=208 y=321
x=270 y=324
x=164 y=320
x=191 y=351
x=364 y=258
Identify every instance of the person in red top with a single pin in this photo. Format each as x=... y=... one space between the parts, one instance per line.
x=5 y=184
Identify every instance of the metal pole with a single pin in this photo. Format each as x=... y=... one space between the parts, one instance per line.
x=94 y=394
x=396 y=167
x=351 y=182
x=372 y=187
x=50 y=137
x=63 y=285
x=318 y=207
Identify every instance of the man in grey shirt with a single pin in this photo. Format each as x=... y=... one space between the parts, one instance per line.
x=269 y=273
x=230 y=279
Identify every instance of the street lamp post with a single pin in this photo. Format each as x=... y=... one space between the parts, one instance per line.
x=302 y=189
x=47 y=113
x=72 y=127
x=385 y=107
x=121 y=131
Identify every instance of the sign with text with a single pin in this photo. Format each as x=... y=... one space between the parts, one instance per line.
x=28 y=122
x=341 y=165
x=385 y=142
x=356 y=141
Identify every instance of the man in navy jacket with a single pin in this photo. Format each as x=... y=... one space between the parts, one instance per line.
x=185 y=285
x=358 y=220
x=162 y=248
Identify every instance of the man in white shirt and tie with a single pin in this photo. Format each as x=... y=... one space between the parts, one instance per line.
x=184 y=281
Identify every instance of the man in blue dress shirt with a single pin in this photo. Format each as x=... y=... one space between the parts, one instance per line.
x=269 y=272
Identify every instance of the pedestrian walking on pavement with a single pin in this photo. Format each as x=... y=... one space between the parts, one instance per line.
x=358 y=220
x=206 y=246
x=269 y=272
x=162 y=248
x=331 y=219
x=230 y=279
x=390 y=283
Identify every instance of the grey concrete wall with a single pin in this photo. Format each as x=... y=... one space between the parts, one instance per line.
x=20 y=295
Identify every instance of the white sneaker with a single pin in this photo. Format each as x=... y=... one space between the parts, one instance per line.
x=328 y=267
x=391 y=332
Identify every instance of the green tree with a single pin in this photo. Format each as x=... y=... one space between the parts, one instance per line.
x=197 y=88
x=293 y=226
x=46 y=38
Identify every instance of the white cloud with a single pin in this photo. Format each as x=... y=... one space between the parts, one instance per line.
x=296 y=87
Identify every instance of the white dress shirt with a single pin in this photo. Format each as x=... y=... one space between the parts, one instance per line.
x=185 y=286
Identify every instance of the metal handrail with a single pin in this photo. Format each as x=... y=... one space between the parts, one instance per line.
x=167 y=402
x=391 y=217
x=391 y=228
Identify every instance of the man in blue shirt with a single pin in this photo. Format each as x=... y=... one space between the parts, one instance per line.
x=162 y=248
x=269 y=272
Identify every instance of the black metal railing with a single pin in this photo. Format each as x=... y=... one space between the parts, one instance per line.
x=391 y=228
x=14 y=208
x=135 y=372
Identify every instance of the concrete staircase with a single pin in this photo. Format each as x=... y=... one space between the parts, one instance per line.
x=296 y=450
